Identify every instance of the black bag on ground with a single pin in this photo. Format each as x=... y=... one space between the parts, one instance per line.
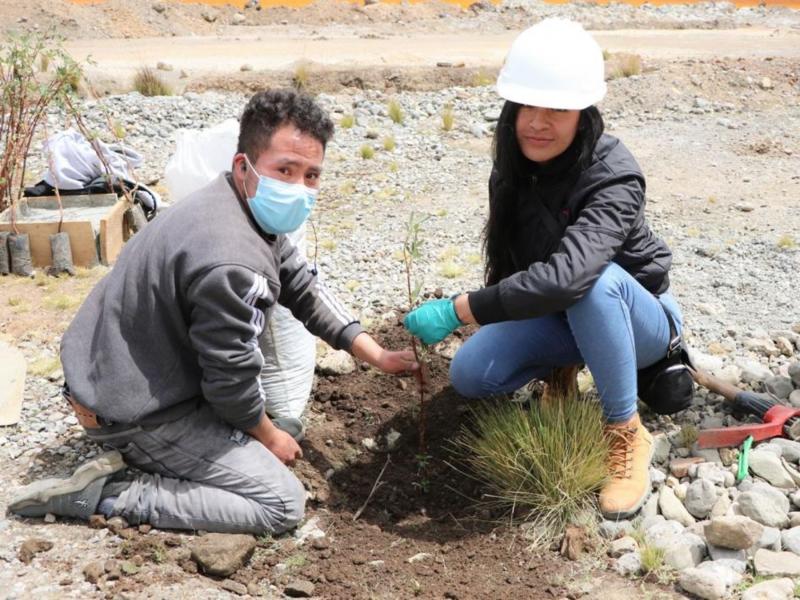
x=667 y=386
x=19 y=248
x=62 y=255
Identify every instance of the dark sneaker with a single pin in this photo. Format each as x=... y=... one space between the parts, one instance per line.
x=77 y=496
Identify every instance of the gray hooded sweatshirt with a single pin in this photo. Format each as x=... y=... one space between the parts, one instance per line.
x=177 y=320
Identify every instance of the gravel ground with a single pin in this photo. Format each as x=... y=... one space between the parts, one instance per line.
x=719 y=142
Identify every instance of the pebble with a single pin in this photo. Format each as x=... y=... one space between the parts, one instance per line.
x=672 y=508
x=683 y=551
x=680 y=466
x=622 y=546
x=779 y=386
x=773 y=589
x=701 y=496
x=628 y=564
x=790 y=540
x=299 y=589
x=767 y=465
x=222 y=554
x=769 y=563
x=93 y=571
x=234 y=586
x=734 y=532
x=764 y=507
x=613 y=529
x=790 y=450
x=708 y=583
x=31 y=547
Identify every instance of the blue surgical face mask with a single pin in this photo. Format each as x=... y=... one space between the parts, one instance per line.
x=280 y=207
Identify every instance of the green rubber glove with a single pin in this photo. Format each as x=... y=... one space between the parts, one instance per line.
x=433 y=321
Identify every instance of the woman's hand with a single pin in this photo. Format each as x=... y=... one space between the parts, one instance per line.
x=433 y=321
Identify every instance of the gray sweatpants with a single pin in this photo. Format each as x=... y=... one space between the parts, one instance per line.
x=200 y=473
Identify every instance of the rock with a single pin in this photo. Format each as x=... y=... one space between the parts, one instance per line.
x=770 y=539
x=735 y=559
x=650 y=508
x=794 y=373
x=766 y=83
x=794 y=519
x=672 y=508
x=709 y=583
x=145 y=528
x=50 y=518
x=784 y=345
x=764 y=507
x=716 y=474
x=112 y=569
x=116 y=524
x=234 y=586
x=661 y=448
x=299 y=589
x=657 y=477
x=628 y=564
x=419 y=557
x=790 y=540
x=336 y=362
x=659 y=534
x=728 y=456
x=769 y=563
x=710 y=455
x=680 y=491
x=31 y=547
x=735 y=532
x=246 y=67
x=790 y=450
x=774 y=589
x=701 y=498
x=679 y=467
x=210 y=15
x=613 y=529
x=763 y=346
x=754 y=372
x=768 y=466
x=129 y=567
x=779 y=386
x=222 y=554
x=721 y=506
x=162 y=66
x=310 y=530
x=238 y=19
x=94 y=571
x=622 y=546
x=684 y=551
x=159 y=7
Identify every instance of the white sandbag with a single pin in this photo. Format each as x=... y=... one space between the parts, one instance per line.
x=200 y=155
x=289 y=356
x=289 y=349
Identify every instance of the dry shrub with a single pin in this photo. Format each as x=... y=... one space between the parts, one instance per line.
x=544 y=462
x=148 y=83
x=623 y=64
x=395 y=112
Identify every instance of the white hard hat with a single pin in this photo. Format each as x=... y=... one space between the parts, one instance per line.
x=554 y=64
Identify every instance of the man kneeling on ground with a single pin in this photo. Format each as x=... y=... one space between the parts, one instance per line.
x=162 y=361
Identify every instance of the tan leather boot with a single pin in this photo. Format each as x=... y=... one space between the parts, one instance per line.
x=630 y=451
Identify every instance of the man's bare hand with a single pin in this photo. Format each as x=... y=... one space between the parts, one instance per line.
x=397 y=362
x=282 y=445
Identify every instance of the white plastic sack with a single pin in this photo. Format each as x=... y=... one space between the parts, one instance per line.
x=289 y=356
x=289 y=349
x=200 y=155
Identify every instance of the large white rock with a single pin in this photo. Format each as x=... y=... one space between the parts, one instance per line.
x=767 y=562
x=764 y=506
x=701 y=496
x=774 y=589
x=712 y=582
x=672 y=508
x=684 y=551
x=789 y=449
x=735 y=532
x=790 y=540
x=12 y=383
x=658 y=534
x=767 y=465
x=628 y=564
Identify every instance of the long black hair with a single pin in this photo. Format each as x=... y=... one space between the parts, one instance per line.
x=512 y=170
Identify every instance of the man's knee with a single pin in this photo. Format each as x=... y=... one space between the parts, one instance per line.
x=286 y=509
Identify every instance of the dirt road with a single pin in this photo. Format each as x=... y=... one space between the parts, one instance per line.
x=271 y=48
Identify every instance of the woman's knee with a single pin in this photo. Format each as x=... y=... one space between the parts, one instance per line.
x=610 y=283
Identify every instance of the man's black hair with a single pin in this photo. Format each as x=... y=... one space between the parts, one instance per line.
x=270 y=109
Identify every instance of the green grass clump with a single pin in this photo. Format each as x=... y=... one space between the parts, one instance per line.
x=624 y=65
x=544 y=463
x=347 y=121
x=786 y=242
x=450 y=269
x=62 y=302
x=389 y=144
x=687 y=436
x=367 y=152
x=652 y=559
x=148 y=83
x=301 y=76
x=448 y=118
x=396 y=112
x=44 y=366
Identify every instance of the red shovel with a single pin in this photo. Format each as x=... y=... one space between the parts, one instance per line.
x=777 y=420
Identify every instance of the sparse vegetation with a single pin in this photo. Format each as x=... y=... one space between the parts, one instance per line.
x=687 y=436
x=62 y=302
x=352 y=285
x=543 y=462
x=14 y=301
x=482 y=78
x=302 y=75
x=367 y=152
x=395 y=112
x=148 y=83
x=450 y=269
x=347 y=121
x=623 y=65
x=389 y=144
x=44 y=366
x=393 y=167
x=786 y=242
x=652 y=559
x=296 y=561
x=448 y=118
x=328 y=245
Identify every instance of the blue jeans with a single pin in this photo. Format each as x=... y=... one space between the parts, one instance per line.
x=617 y=328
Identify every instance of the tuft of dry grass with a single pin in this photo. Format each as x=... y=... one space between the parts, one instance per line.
x=448 y=118
x=543 y=462
x=44 y=366
x=347 y=121
x=449 y=269
x=62 y=302
x=482 y=78
x=148 y=83
x=786 y=242
x=389 y=143
x=624 y=65
x=395 y=112
x=301 y=76
x=367 y=152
